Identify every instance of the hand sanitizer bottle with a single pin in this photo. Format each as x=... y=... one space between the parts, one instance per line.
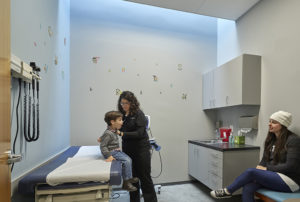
x=231 y=138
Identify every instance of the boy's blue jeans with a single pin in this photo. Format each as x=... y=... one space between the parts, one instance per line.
x=253 y=179
x=126 y=163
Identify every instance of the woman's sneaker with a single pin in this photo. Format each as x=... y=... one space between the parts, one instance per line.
x=220 y=193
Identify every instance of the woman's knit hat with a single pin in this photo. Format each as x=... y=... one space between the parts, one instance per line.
x=284 y=118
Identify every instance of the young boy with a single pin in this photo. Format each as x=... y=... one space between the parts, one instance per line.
x=110 y=148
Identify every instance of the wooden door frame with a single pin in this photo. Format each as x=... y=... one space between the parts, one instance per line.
x=5 y=178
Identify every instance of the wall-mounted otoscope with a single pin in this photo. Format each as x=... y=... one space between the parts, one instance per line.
x=35 y=106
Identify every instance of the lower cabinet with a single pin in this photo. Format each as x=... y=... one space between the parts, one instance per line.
x=217 y=169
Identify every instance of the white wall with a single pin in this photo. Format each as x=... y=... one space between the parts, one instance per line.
x=146 y=41
x=271 y=30
x=30 y=41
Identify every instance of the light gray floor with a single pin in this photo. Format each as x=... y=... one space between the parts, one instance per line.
x=189 y=192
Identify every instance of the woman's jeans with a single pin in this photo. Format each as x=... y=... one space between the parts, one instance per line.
x=253 y=179
x=126 y=163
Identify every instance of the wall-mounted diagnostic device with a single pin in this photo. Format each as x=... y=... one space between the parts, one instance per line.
x=28 y=74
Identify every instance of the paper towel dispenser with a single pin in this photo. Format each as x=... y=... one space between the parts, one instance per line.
x=248 y=122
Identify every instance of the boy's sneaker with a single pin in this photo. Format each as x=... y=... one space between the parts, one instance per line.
x=134 y=180
x=128 y=186
x=220 y=193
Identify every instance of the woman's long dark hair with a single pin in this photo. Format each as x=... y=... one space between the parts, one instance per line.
x=278 y=142
x=134 y=103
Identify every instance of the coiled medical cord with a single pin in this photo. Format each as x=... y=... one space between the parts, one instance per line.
x=31 y=137
x=161 y=164
x=25 y=110
x=38 y=110
x=17 y=116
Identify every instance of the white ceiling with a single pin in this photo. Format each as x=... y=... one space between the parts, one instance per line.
x=227 y=9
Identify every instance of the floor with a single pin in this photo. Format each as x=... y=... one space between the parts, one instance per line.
x=189 y=192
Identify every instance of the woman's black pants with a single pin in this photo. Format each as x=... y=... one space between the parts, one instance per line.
x=141 y=168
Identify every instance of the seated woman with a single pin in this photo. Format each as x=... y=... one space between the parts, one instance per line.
x=279 y=169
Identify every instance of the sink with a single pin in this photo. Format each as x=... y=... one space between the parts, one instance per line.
x=213 y=141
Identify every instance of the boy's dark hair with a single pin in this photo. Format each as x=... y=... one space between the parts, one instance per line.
x=112 y=116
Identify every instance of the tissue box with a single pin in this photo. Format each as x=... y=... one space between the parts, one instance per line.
x=239 y=139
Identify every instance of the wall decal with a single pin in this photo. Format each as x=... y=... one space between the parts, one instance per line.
x=109 y=70
x=171 y=85
x=95 y=59
x=184 y=96
x=123 y=69
x=91 y=89
x=118 y=92
x=35 y=44
x=45 y=68
x=179 y=67
x=56 y=60
x=155 y=78
x=141 y=92
x=50 y=32
x=65 y=41
x=138 y=74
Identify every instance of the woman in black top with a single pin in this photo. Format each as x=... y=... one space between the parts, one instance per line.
x=279 y=169
x=135 y=143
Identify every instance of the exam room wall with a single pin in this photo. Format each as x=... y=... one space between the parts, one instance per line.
x=271 y=30
x=146 y=41
x=30 y=20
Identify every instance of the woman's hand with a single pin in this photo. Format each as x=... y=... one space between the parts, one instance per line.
x=120 y=133
x=261 y=167
x=99 y=140
x=110 y=159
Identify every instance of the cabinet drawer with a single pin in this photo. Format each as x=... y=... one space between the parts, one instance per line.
x=218 y=171
x=213 y=154
x=215 y=182
x=215 y=162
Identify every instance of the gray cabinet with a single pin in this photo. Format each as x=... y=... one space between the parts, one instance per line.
x=217 y=169
x=237 y=82
x=196 y=159
x=208 y=94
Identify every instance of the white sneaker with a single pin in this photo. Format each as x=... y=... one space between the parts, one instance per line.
x=220 y=193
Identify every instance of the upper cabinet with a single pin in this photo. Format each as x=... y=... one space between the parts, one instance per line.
x=236 y=82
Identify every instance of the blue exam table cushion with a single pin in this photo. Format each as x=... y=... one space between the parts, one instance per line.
x=279 y=196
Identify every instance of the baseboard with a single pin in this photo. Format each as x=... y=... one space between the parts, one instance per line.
x=176 y=183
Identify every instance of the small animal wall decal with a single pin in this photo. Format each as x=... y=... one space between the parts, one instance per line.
x=179 y=67
x=118 y=92
x=50 y=32
x=95 y=60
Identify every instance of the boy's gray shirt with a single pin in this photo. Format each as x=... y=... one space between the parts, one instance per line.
x=109 y=142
